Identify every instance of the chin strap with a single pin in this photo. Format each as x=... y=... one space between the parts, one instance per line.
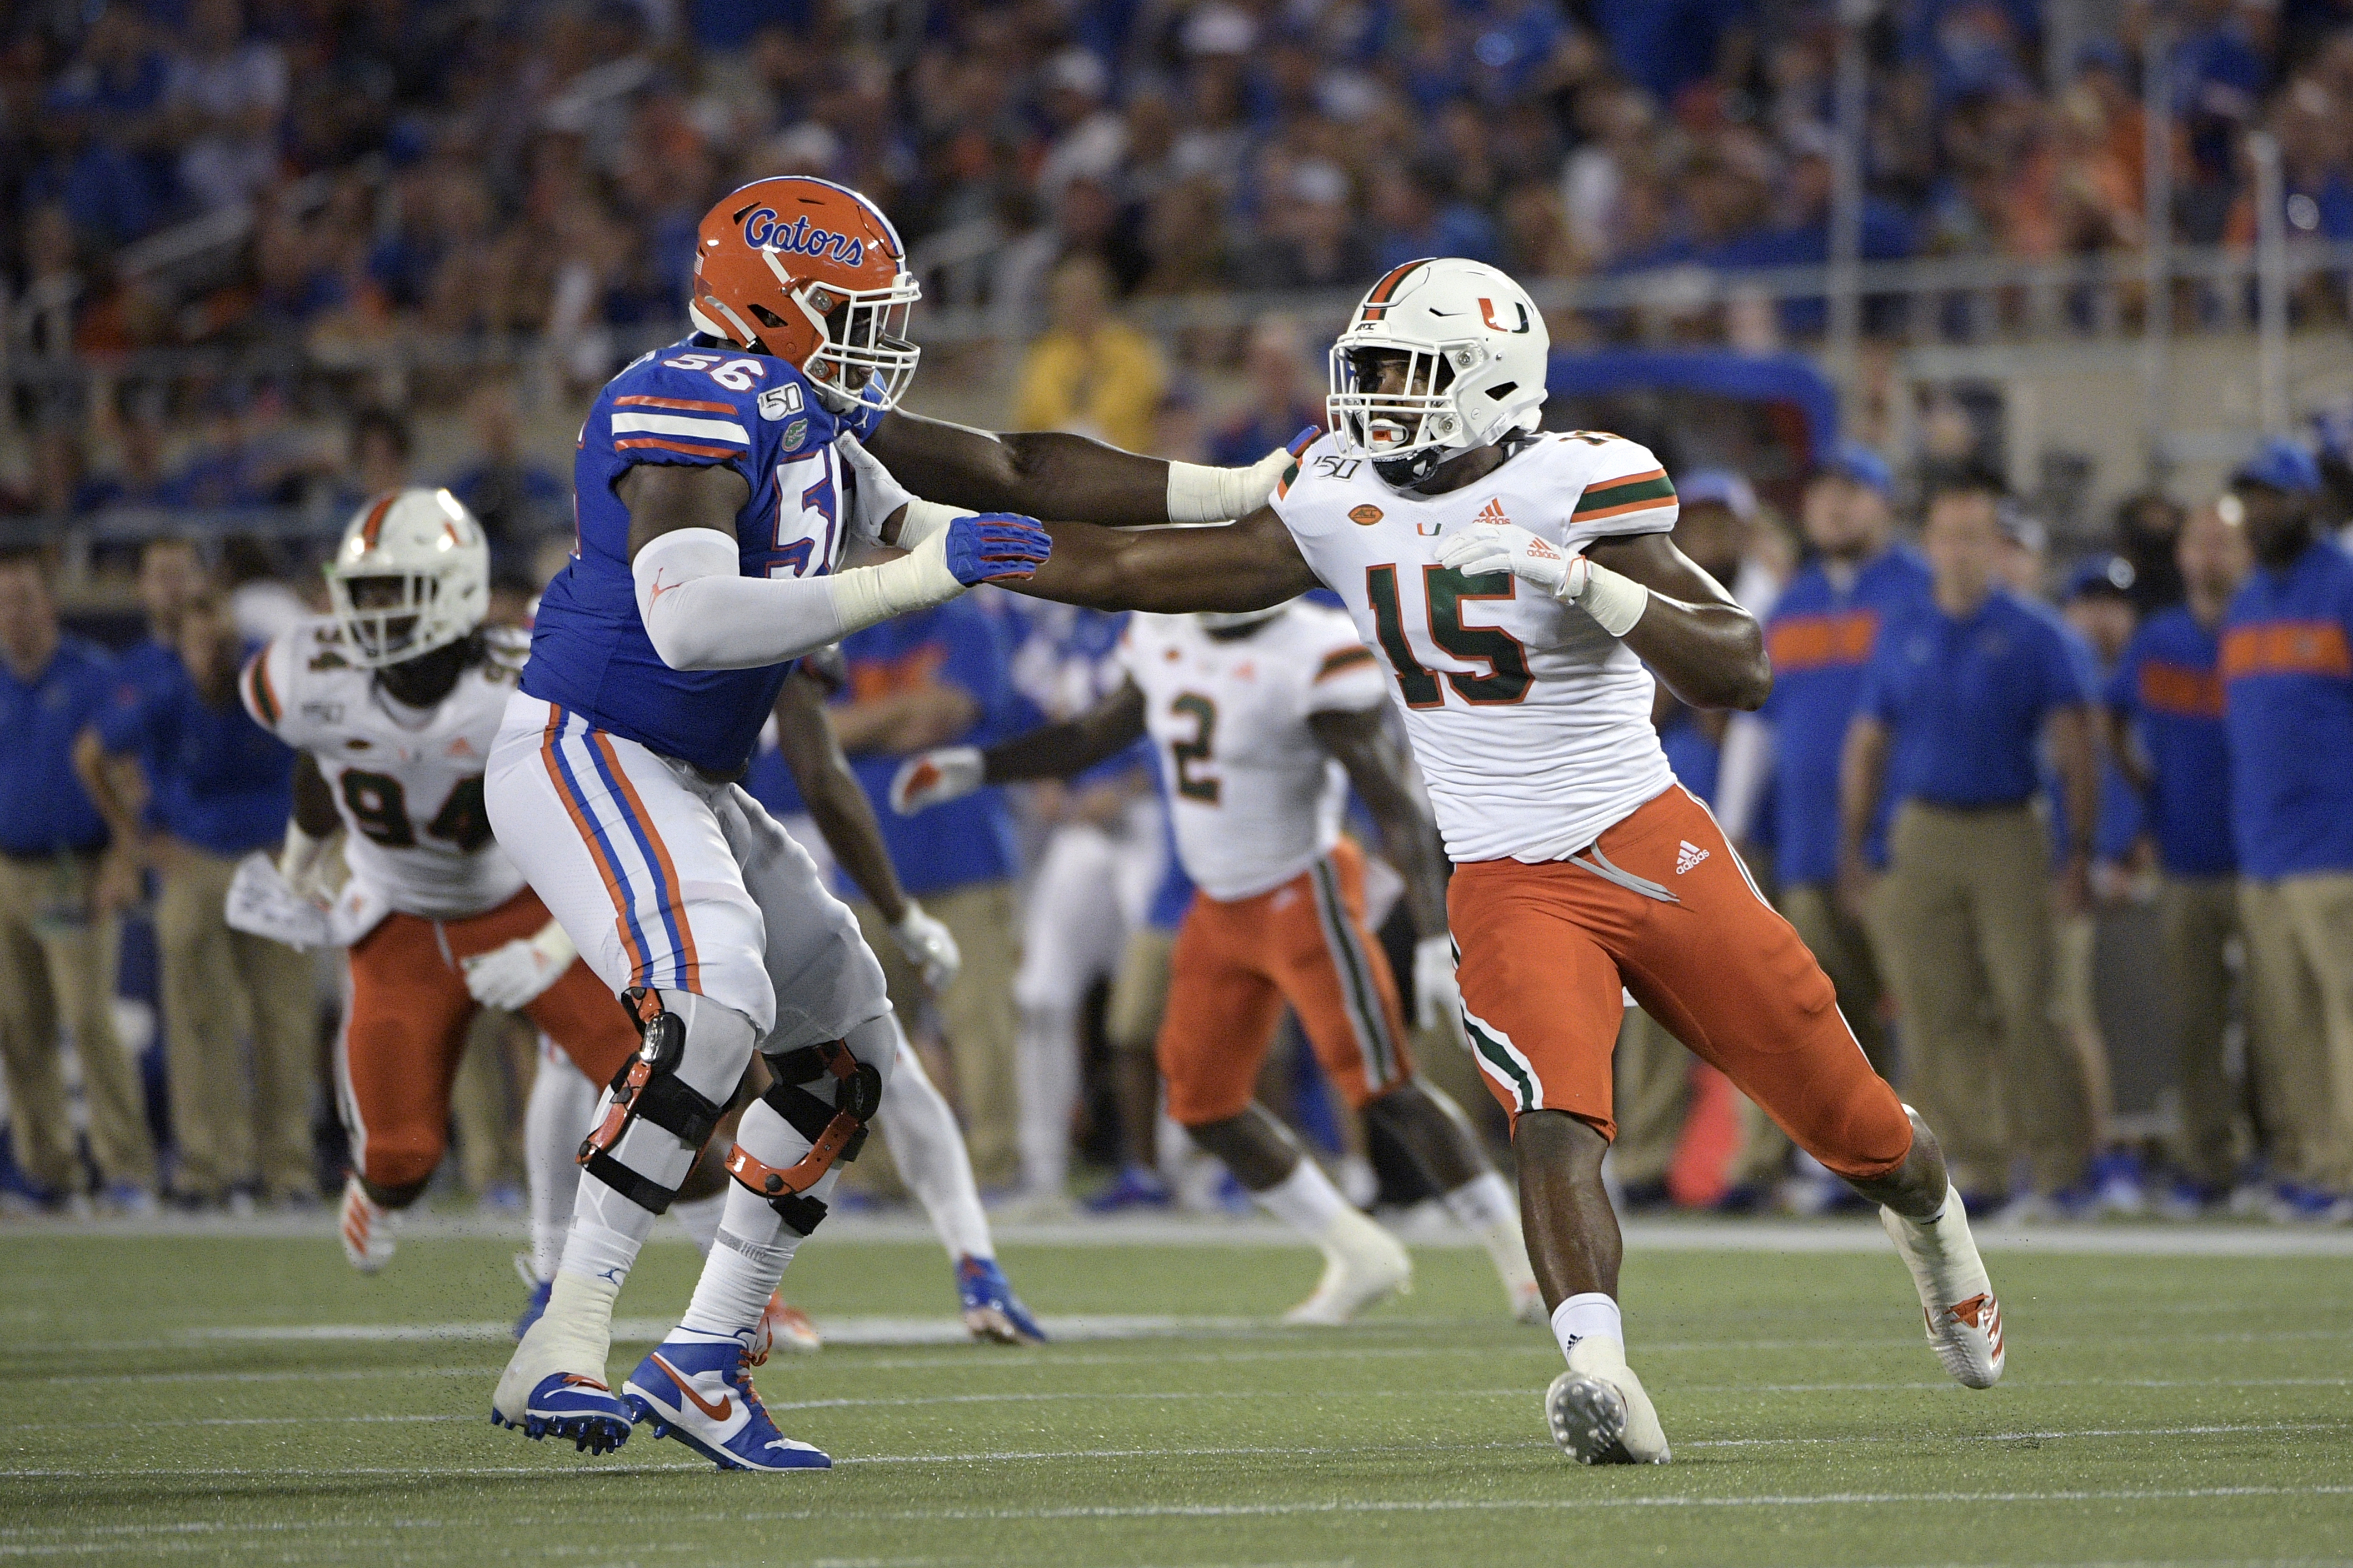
x=836 y=1133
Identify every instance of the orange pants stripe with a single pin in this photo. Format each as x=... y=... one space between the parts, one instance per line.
x=405 y=1029
x=1236 y=964
x=1544 y=949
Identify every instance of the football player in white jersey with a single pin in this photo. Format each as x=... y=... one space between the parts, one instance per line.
x=391 y=704
x=1516 y=584
x=1262 y=719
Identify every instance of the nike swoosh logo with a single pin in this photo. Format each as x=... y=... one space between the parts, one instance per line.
x=719 y=1412
x=661 y=587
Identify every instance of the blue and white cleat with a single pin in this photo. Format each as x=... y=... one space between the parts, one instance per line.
x=992 y=1312
x=537 y=1301
x=570 y=1404
x=697 y=1387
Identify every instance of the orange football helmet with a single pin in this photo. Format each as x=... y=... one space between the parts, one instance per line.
x=811 y=272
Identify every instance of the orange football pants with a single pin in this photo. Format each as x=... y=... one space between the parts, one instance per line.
x=405 y=1029
x=1235 y=965
x=1544 y=949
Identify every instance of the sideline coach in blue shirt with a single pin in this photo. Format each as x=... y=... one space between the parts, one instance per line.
x=1961 y=691
x=2164 y=711
x=2288 y=698
x=57 y=941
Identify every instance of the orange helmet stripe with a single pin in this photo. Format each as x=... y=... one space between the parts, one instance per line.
x=375 y=523
x=1377 y=302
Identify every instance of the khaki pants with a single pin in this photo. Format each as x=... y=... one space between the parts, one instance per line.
x=56 y=966
x=1842 y=947
x=2299 y=934
x=1139 y=993
x=217 y=987
x=1965 y=912
x=1652 y=1072
x=977 y=1016
x=2197 y=918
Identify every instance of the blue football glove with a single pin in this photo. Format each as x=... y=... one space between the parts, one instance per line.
x=996 y=547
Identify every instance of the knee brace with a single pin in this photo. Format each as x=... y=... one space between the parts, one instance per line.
x=648 y=1088
x=836 y=1133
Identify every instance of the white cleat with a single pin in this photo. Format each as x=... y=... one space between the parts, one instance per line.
x=365 y=1228
x=1957 y=1299
x=1598 y=1410
x=1528 y=1303
x=1362 y=1264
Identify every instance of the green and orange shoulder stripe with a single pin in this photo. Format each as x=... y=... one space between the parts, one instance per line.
x=1625 y=498
x=259 y=688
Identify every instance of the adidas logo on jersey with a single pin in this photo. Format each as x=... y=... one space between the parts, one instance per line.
x=1493 y=511
x=1688 y=856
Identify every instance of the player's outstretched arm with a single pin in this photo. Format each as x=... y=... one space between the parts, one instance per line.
x=1247 y=565
x=701 y=613
x=1047 y=473
x=1049 y=752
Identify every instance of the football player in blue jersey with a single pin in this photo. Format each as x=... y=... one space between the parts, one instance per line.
x=719 y=481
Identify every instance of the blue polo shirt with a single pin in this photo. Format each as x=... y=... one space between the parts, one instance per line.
x=1964 y=700
x=2168 y=686
x=43 y=807
x=959 y=644
x=1820 y=638
x=2287 y=699
x=218 y=780
x=1692 y=756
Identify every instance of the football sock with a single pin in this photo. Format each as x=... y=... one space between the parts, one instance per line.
x=1589 y=1316
x=922 y=1131
x=576 y=1329
x=1307 y=1201
x=1941 y=1252
x=1483 y=1206
x=748 y=1256
x=554 y=1119
x=698 y=1217
x=1046 y=1079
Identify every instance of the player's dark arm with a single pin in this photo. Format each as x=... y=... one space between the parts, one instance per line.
x=664 y=498
x=2116 y=733
x=1694 y=637
x=1243 y=566
x=835 y=801
x=1368 y=749
x=1041 y=473
x=1073 y=746
x=314 y=800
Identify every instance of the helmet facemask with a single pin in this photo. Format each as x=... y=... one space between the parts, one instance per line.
x=1408 y=433
x=392 y=617
x=863 y=352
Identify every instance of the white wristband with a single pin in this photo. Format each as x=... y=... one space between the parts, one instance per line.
x=299 y=862
x=924 y=518
x=869 y=595
x=1200 y=494
x=1614 y=600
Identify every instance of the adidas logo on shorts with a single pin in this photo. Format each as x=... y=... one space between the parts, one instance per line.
x=1689 y=856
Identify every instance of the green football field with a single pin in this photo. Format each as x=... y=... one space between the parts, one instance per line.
x=183 y=1398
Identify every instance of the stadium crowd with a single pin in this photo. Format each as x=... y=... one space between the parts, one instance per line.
x=1974 y=751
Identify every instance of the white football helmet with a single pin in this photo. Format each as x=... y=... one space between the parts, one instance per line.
x=1476 y=353
x=412 y=573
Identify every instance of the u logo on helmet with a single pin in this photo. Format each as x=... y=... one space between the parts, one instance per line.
x=1487 y=314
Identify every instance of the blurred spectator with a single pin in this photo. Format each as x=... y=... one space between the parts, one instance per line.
x=1312 y=240
x=1089 y=372
x=377 y=455
x=56 y=942
x=220 y=788
x=2149 y=526
x=225 y=93
x=1281 y=403
x=140 y=481
x=2166 y=730
x=1962 y=689
x=942 y=678
x=519 y=502
x=2287 y=684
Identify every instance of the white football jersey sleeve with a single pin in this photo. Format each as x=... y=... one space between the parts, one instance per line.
x=1531 y=724
x=1253 y=796
x=408 y=785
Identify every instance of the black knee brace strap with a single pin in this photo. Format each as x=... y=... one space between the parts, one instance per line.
x=648 y=1085
x=836 y=1133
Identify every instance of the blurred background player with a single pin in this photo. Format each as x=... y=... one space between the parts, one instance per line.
x=1262 y=720
x=391 y=704
x=188 y=783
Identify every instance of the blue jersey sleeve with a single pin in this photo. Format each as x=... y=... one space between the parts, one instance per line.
x=1881 y=690
x=2071 y=671
x=123 y=722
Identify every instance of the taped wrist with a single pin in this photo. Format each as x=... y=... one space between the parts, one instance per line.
x=1614 y=600
x=836 y=1133
x=647 y=1089
x=924 y=518
x=867 y=595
